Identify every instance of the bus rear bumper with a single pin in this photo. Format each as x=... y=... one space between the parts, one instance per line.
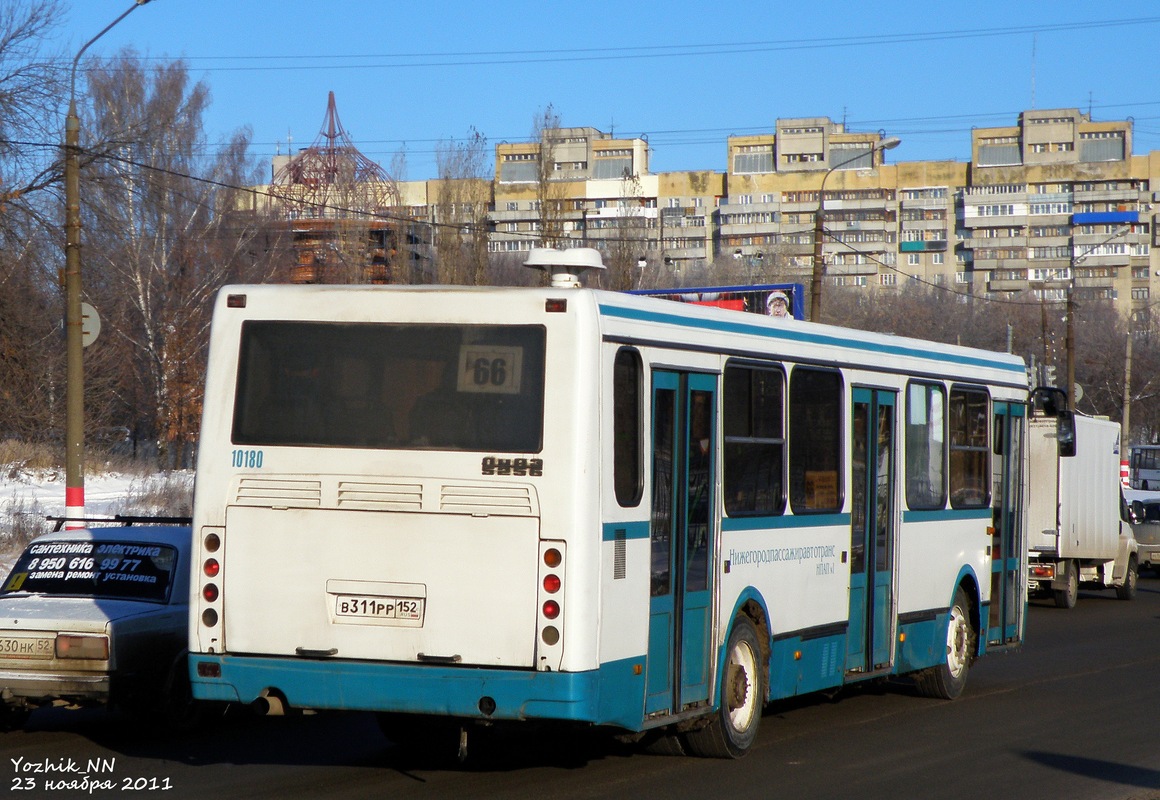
x=610 y=695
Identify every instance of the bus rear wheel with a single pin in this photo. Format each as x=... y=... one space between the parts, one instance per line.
x=733 y=728
x=947 y=680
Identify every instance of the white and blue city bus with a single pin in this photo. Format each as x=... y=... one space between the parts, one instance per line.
x=486 y=504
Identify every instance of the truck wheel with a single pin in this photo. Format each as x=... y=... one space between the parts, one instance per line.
x=948 y=679
x=1065 y=598
x=1127 y=589
x=734 y=726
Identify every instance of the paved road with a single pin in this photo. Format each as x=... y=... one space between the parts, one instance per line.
x=1075 y=715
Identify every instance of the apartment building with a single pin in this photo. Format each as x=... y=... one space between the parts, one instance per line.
x=1052 y=202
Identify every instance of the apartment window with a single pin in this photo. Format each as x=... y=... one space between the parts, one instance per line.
x=1050 y=208
x=513 y=206
x=939 y=258
x=755 y=161
x=888 y=279
x=996 y=210
x=912 y=259
x=745 y=199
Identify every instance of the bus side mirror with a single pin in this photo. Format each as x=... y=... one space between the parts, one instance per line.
x=1065 y=434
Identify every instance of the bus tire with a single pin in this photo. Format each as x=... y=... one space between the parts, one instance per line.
x=947 y=680
x=734 y=725
x=1127 y=589
x=1066 y=597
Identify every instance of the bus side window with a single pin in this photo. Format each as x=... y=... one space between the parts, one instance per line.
x=969 y=448
x=815 y=440
x=627 y=421
x=754 y=409
x=926 y=482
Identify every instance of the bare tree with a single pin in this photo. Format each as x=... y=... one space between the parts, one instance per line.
x=627 y=245
x=31 y=85
x=461 y=204
x=550 y=191
x=165 y=234
x=31 y=353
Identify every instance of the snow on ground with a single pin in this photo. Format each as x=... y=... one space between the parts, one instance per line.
x=28 y=496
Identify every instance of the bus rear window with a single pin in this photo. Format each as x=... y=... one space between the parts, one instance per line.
x=369 y=385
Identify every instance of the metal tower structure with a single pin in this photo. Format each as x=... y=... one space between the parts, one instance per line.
x=338 y=204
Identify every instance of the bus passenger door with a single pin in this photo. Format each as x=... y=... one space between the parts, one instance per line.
x=682 y=543
x=1005 y=615
x=870 y=633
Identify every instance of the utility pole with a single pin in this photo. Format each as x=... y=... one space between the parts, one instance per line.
x=819 y=268
x=74 y=435
x=1070 y=345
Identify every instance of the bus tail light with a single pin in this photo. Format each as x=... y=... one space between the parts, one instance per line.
x=551 y=605
x=209 y=590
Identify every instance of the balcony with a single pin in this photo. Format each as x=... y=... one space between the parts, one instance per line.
x=1006 y=285
x=1105 y=218
x=932 y=246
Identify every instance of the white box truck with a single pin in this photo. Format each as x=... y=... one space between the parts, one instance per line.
x=1079 y=531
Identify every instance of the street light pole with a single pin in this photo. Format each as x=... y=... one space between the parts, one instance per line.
x=819 y=268
x=74 y=436
x=1069 y=342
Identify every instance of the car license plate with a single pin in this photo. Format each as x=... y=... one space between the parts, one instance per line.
x=26 y=647
x=372 y=608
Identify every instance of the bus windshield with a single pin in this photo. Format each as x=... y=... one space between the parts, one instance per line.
x=406 y=386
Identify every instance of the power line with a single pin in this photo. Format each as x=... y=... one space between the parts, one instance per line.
x=301 y=61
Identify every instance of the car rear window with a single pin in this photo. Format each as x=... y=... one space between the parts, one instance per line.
x=81 y=568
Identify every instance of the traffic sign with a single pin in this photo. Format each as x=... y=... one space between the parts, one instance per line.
x=90 y=324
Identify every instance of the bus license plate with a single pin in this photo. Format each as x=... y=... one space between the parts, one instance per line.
x=371 y=607
x=26 y=647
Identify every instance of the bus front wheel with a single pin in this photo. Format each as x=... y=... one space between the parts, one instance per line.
x=733 y=728
x=948 y=679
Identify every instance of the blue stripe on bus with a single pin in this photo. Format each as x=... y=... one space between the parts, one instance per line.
x=787 y=521
x=610 y=695
x=793 y=333
x=632 y=530
x=947 y=515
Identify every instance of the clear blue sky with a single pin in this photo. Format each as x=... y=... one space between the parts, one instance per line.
x=685 y=74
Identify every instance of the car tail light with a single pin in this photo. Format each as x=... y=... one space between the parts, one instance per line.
x=70 y=645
